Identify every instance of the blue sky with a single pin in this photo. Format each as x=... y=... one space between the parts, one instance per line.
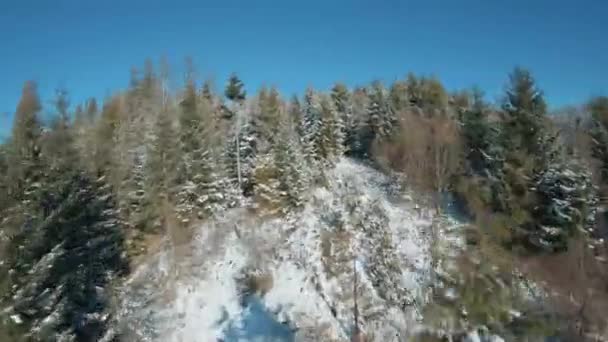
x=88 y=47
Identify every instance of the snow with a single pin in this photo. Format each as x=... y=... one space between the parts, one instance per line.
x=193 y=293
x=17 y=319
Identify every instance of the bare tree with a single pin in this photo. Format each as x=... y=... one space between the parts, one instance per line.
x=426 y=149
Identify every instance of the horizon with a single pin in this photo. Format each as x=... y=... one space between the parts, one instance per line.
x=88 y=49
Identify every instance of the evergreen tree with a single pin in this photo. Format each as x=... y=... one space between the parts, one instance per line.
x=235 y=89
x=479 y=136
x=163 y=156
x=342 y=103
x=24 y=156
x=63 y=258
x=236 y=94
x=240 y=159
x=293 y=173
x=398 y=96
x=310 y=126
x=59 y=144
x=598 y=108
x=267 y=120
x=106 y=136
x=566 y=206
x=332 y=131
x=91 y=109
x=380 y=118
x=524 y=107
x=380 y=114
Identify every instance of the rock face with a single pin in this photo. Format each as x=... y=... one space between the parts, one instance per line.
x=354 y=223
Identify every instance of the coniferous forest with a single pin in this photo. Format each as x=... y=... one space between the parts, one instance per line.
x=86 y=193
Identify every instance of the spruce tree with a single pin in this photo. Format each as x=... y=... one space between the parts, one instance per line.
x=598 y=108
x=293 y=172
x=59 y=145
x=342 y=103
x=380 y=118
x=24 y=155
x=310 y=126
x=479 y=136
x=331 y=144
x=524 y=107
x=398 y=96
x=236 y=94
x=63 y=259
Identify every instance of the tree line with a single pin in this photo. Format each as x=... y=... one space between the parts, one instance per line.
x=84 y=191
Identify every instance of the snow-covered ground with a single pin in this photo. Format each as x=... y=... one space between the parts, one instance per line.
x=357 y=222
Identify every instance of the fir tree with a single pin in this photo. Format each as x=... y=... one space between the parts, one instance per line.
x=398 y=96
x=332 y=129
x=63 y=259
x=598 y=108
x=342 y=104
x=524 y=108
x=25 y=143
x=310 y=126
x=235 y=89
x=292 y=168
x=236 y=94
x=478 y=134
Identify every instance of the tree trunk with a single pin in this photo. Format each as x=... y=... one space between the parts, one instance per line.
x=238 y=145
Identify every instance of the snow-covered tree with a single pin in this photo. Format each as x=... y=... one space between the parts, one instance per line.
x=240 y=160
x=566 y=205
x=199 y=189
x=342 y=103
x=293 y=170
x=63 y=259
x=380 y=114
x=310 y=125
x=331 y=144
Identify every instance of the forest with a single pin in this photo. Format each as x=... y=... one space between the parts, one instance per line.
x=85 y=194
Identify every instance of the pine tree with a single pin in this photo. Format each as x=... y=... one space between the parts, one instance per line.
x=59 y=145
x=310 y=126
x=598 y=108
x=478 y=134
x=566 y=206
x=331 y=131
x=268 y=117
x=524 y=108
x=24 y=156
x=342 y=103
x=380 y=118
x=235 y=89
x=236 y=94
x=163 y=156
x=240 y=159
x=63 y=258
x=293 y=172
x=106 y=136
x=398 y=96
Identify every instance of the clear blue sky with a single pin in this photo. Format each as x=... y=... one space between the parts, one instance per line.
x=89 y=46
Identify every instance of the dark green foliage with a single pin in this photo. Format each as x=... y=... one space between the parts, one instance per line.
x=565 y=206
x=310 y=125
x=246 y=151
x=524 y=108
x=105 y=131
x=162 y=157
x=598 y=108
x=479 y=136
x=64 y=255
x=381 y=117
x=234 y=90
x=25 y=147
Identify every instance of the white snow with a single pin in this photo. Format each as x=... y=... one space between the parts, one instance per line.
x=191 y=293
